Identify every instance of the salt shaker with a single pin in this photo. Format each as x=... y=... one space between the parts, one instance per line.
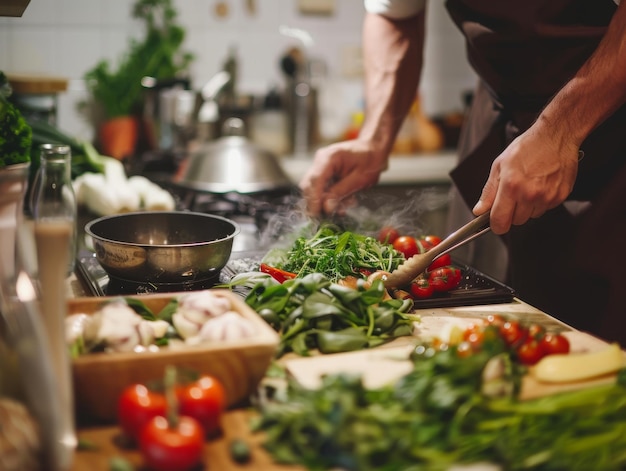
x=53 y=200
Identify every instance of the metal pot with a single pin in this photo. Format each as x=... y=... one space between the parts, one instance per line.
x=232 y=164
x=162 y=247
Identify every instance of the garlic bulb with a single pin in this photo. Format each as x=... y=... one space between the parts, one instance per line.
x=185 y=327
x=228 y=326
x=81 y=326
x=116 y=326
x=203 y=304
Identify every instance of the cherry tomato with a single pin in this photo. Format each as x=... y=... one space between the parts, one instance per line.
x=442 y=261
x=475 y=337
x=388 y=235
x=276 y=273
x=172 y=447
x=530 y=352
x=536 y=331
x=495 y=319
x=555 y=343
x=432 y=239
x=444 y=278
x=204 y=400
x=136 y=406
x=421 y=289
x=513 y=333
x=407 y=245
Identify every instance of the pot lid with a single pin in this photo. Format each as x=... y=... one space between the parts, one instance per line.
x=232 y=163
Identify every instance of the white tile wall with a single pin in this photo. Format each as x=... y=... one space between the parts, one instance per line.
x=68 y=37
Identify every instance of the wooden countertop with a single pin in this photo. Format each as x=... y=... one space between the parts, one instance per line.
x=235 y=424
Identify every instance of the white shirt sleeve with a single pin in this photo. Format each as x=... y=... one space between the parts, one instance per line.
x=395 y=9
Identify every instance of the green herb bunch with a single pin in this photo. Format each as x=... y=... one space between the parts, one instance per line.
x=337 y=254
x=314 y=313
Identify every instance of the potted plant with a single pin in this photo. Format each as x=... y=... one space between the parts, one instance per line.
x=119 y=91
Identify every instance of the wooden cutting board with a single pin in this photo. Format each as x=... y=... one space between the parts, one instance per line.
x=384 y=365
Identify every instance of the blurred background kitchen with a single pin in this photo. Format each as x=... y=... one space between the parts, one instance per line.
x=293 y=80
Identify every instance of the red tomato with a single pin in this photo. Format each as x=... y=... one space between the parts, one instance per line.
x=175 y=447
x=204 y=400
x=388 y=235
x=530 y=352
x=444 y=278
x=276 y=273
x=513 y=333
x=475 y=336
x=407 y=245
x=495 y=319
x=442 y=261
x=536 y=331
x=432 y=239
x=136 y=406
x=555 y=343
x=421 y=289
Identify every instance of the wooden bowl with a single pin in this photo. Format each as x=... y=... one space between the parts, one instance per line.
x=99 y=378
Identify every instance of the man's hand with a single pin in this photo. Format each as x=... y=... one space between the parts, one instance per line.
x=338 y=171
x=535 y=173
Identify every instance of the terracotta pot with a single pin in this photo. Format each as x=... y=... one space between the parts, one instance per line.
x=118 y=136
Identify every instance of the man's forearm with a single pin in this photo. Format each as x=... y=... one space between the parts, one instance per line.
x=393 y=55
x=596 y=91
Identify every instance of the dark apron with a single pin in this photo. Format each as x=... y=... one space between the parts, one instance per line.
x=524 y=52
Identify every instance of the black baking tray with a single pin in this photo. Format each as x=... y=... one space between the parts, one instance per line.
x=475 y=287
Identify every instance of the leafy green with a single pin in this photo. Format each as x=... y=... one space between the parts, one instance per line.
x=436 y=416
x=336 y=254
x=314 y=313
x=15 y=133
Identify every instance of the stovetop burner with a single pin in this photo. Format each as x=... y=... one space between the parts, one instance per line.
x=116 y=286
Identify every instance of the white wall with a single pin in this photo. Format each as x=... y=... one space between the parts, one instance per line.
x=67 y=37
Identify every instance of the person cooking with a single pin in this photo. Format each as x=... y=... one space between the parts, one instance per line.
x=543 y=146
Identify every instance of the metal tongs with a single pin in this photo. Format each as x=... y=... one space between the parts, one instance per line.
x=417 y=264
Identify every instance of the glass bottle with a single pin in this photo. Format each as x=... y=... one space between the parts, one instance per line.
x=54 y=213
x=54 y=205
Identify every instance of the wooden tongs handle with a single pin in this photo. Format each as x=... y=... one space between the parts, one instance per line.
x=417 y=264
